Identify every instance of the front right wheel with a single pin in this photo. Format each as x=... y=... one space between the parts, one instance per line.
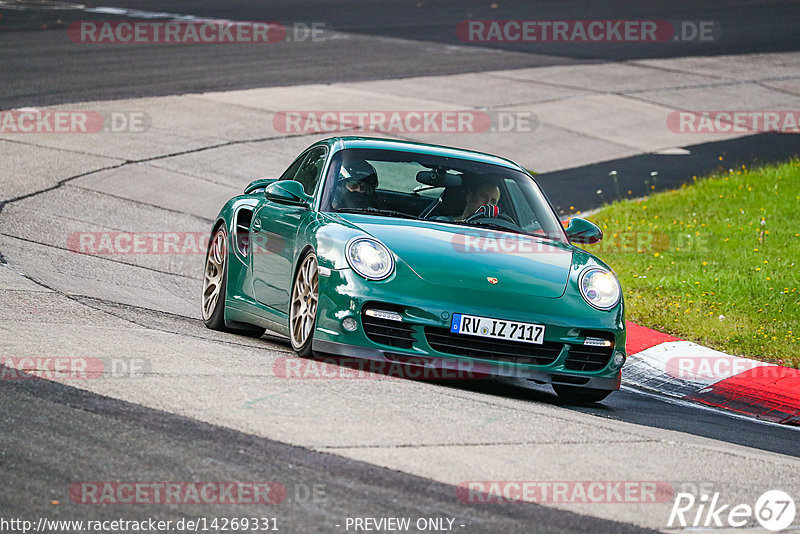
x=303 y=305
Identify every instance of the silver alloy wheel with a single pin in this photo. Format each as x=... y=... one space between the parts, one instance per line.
x=215 y=268
x=303 y=309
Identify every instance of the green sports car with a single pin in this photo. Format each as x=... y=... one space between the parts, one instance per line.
x=420 y=255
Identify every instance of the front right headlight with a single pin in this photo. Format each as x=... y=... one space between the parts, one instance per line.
x=370 y=258
x=599 y=288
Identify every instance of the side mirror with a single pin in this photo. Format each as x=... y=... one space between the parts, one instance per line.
x=256 y=186
x=583 y=231
x=288 y=192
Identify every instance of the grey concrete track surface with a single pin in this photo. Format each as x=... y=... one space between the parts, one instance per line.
x=61 y=300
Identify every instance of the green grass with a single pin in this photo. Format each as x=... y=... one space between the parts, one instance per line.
x=716 y=262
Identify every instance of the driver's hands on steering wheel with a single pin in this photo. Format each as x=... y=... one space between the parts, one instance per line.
x=485 y=211
x=488 y=211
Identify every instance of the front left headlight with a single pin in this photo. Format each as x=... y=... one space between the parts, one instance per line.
x=370 y=258
x=599 y=288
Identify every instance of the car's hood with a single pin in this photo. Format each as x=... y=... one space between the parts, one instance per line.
x=467 y=258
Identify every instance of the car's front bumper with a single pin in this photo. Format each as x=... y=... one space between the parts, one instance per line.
x=344 y=294
x=436 y=369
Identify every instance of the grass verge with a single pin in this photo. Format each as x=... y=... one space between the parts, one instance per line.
x=716 y=262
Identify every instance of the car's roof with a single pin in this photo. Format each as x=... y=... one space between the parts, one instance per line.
x=423 y=148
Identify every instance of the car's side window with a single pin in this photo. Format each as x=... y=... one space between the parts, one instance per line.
x=308 y=170
x=289 y=173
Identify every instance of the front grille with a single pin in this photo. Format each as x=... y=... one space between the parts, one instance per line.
x=587 y=358
x=442 y=340
x=385 y=332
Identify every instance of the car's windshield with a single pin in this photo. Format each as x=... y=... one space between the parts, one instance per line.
x=442 y=189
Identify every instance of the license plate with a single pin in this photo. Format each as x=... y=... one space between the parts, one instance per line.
x=497 y=329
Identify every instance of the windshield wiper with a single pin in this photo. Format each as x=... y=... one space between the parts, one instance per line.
x=502 y=228
x=544 y=236
x=493 y=226
x=378 y=211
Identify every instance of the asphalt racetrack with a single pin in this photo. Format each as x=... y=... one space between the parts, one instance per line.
x=192 y=405
x=382 y=39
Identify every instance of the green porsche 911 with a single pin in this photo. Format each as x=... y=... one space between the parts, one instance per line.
x=419 y=255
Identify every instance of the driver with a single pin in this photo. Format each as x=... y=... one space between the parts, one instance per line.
x=355 y=186
x=487 y=193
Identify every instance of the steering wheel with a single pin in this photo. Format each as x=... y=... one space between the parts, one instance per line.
x=481 y=214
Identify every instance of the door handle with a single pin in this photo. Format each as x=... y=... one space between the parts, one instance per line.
x=257 y=225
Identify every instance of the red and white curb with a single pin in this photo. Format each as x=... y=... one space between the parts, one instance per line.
x=692 y=372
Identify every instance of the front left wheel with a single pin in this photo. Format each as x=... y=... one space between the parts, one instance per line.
x=215 y=279
x=303 y=305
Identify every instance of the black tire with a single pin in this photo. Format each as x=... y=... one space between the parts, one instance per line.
x=216 y=319
x=303 y=305
x=577 y=395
